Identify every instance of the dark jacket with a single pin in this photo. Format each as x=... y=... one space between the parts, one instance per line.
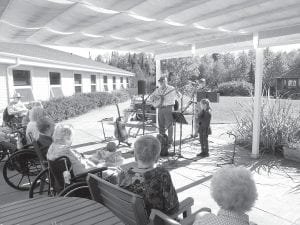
x=44 y=143
x=204 y=118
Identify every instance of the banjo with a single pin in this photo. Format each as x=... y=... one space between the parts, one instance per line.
x=158 y=100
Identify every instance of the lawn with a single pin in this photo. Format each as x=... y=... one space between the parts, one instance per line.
x=227 y=107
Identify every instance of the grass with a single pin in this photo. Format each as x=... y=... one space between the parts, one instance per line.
x=224 y=110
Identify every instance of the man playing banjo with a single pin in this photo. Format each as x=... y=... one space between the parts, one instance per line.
x=164 y=98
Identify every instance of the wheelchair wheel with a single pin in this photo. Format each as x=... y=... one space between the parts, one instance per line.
x=21 y=168
x=40 y=187
x=79 y=189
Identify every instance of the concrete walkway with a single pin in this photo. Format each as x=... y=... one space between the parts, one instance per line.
x=278 y=201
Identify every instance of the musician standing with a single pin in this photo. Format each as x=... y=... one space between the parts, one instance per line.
x=167 y=95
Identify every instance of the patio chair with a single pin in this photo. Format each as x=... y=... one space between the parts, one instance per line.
x=51 y=181
x=130 y=207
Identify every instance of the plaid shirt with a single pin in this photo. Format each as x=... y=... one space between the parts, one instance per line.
x=224 y=217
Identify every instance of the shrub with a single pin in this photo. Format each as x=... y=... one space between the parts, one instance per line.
x=235 y=88
x=63 y=108
x=279 y=123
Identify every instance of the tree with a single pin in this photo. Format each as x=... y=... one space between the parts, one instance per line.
x=251 y=75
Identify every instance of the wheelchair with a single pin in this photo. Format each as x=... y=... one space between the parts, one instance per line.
x=52 y=181
x=21 y=166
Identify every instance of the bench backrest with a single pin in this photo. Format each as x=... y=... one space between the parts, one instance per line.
x=127 y=206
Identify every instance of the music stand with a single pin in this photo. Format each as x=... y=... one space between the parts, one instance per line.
x=178 y=117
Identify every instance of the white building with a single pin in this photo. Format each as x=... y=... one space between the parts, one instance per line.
x=41 y=73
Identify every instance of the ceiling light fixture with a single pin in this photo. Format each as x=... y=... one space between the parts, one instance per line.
x=200 y=27
x=117 y=38
x=173 y=23
x=140 y=39
x=143 y=18
x=224 y=30
x=91 y=35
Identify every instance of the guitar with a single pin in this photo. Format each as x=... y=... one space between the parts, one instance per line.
x=158 y=100
x=120 y=130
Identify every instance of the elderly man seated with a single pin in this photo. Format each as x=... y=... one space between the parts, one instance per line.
x=153 y=183
x=234 y=190
x=16 y=107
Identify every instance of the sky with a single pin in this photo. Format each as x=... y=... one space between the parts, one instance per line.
x=85 y=52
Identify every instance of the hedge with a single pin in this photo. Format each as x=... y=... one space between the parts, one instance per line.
x=235 y=88
x=63 y=108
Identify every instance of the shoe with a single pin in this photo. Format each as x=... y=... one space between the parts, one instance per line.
x=203 y=154
x=194 y=135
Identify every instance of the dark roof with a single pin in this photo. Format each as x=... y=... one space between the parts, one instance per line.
x=53 y=54
x=292 y=73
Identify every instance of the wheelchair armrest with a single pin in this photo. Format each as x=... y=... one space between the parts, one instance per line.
x=93 y=171
x=163 y=216
x=184 y=207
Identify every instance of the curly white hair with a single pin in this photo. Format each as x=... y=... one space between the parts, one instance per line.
x=233 y=188
x=63 y=133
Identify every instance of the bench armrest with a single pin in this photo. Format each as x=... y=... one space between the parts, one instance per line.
x=93 y=171
x=184 y=208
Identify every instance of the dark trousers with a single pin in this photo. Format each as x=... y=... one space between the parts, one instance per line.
x=203 y=136
x=165 y=120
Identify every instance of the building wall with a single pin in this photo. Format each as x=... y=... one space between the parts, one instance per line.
x=40 y=82
x=3 y=88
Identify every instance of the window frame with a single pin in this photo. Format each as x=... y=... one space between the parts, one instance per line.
x=54 y=85
x=78 y=85
x=16 y=87
x=93 y=85
x=114 y=81
x=105 y=83
x=30 y=78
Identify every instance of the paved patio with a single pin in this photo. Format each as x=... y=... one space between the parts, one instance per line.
x=278 y=201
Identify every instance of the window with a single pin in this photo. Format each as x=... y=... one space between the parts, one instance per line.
x=127 y=82
x=55 y=88
x=22 y=84
x=54 y=78
x=21 y=77
x=121 y=81
x=78 y=83
x=292 y=83
x=114 y=83
x=93 y=83
x=105 y=83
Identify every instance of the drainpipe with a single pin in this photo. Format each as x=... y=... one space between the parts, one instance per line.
x=7 y=77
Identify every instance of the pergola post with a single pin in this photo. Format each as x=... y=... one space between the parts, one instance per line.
x=259 y=64
x=157 y=76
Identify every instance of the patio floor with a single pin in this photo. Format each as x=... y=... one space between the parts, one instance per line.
x=276 y=179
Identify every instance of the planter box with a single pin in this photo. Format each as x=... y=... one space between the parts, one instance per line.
x=292 y=153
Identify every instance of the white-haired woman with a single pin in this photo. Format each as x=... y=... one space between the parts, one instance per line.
x=154 y=184
x=234 y=190
x=61 y=146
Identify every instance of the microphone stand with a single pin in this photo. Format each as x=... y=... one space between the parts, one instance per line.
x=143 y=108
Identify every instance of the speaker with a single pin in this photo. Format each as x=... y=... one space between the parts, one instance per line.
x=141 y=87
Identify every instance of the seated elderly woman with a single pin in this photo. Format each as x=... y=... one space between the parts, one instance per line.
x=61 y=146
x=154 y=184
x=32 y=132
x=234 y=190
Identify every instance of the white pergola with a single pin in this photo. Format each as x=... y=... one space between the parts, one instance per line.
x=167 y=28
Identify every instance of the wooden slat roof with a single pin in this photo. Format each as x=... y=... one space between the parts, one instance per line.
x=149 y=25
